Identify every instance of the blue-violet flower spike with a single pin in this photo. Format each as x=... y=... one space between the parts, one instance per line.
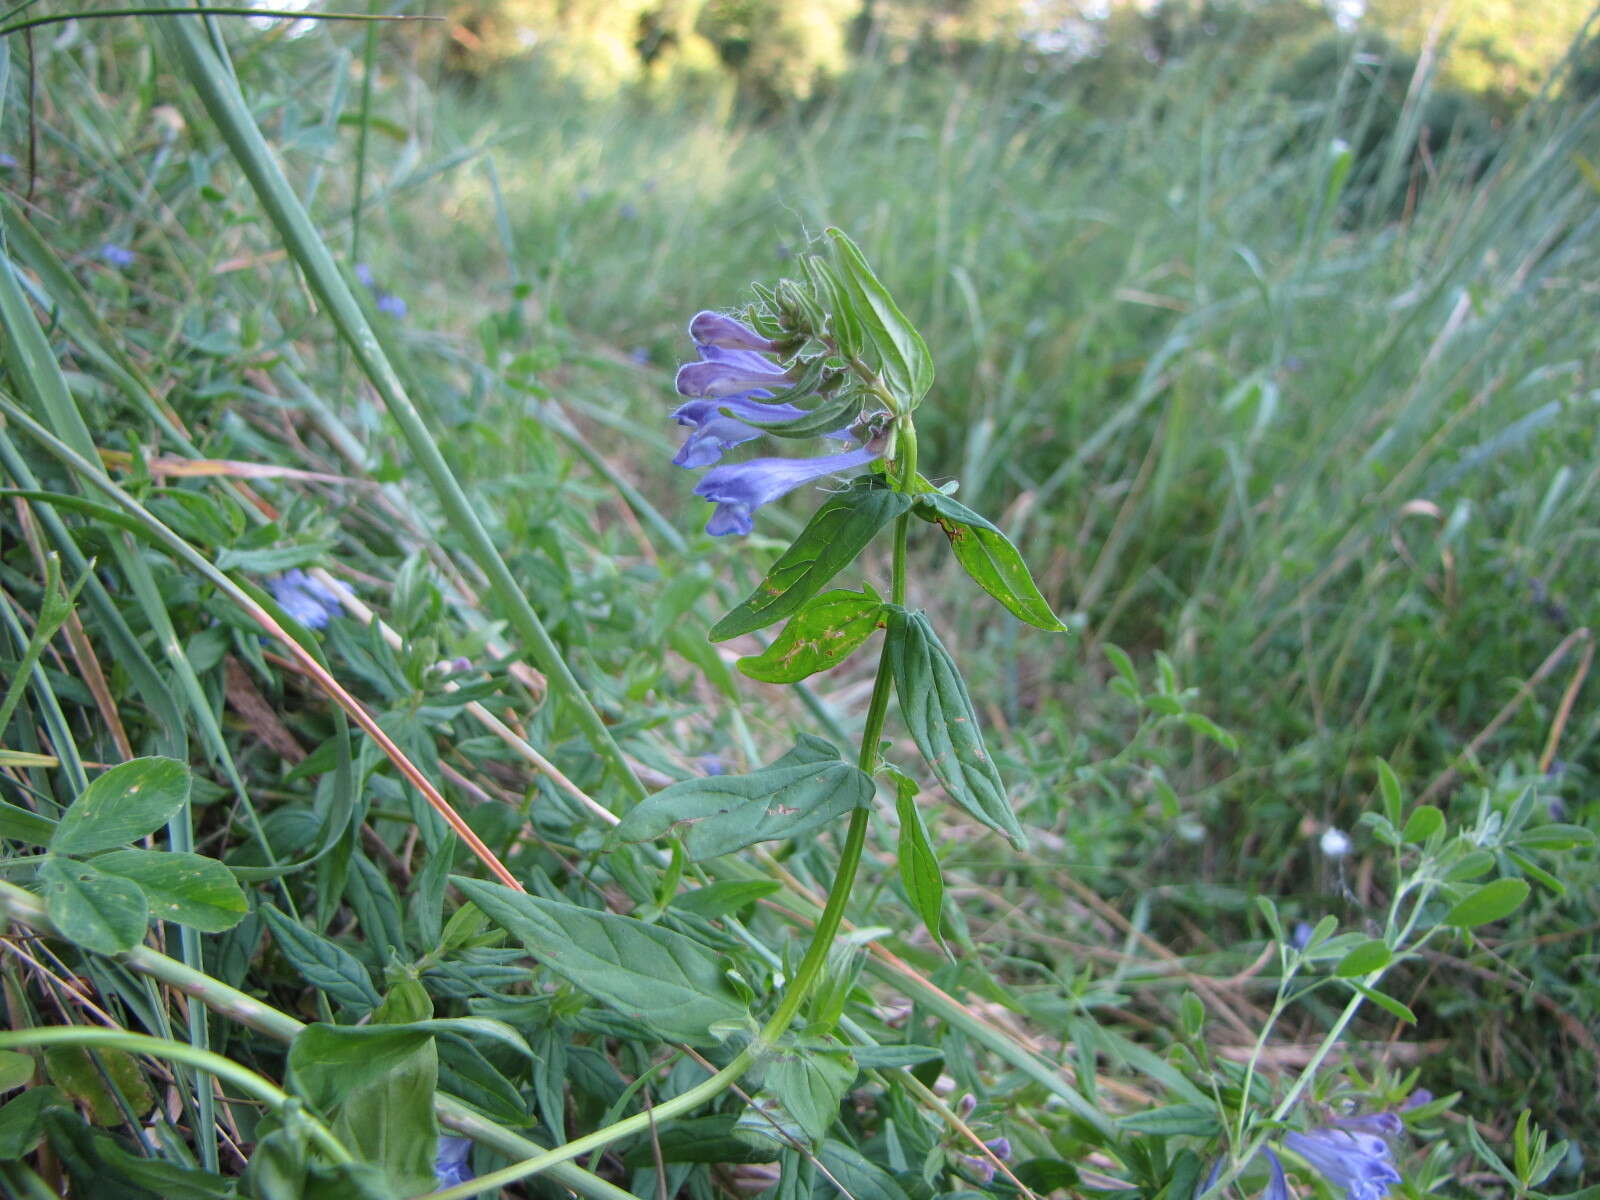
x=714 y=329
x=117 y=256
x=716 y=431
x=1357 y=1162
x=740 y=488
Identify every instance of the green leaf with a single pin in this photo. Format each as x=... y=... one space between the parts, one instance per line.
x=98 y=912
x=1491 y=902
x=21 y=1124
x=326 y=966
x=826 y=631
x=25 y=826
x=1386 y=1002
x=327 y=1062
x=389 y=1122
x=873 y=1057
x=124 y=804
x=15 y=1070
x=812 y=1086
x=723 y=897
x=1196 y=1120
x=187 y=889
x=698 y=1140
x=836 y=533
x=990 y=558
x=906 y=365
x=1425 y=821
x=857 y=1176
x=920 y=873
x=663 y=979
x=718 y=814
x=1389 y=786
x=937 y=710
x=1469 y=866
x=1366 y=958
x=1555 y=837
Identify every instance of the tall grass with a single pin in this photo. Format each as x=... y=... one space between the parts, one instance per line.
x=1328 y=448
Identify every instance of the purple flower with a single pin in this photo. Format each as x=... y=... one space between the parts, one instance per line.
x=391 y=304
x=117 y=256
x=453 y=1165
x=1357 y=1161
x=739 y=489
x=1000 y=1147
x=308 y=600
x=724 y=373
x=711 y=764
x=363 y=274
x=7 y=162
x=1300 y=937
x=714 y=329
x=1277 y=1186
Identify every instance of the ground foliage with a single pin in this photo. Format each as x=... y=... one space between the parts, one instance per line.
x=1286 y=397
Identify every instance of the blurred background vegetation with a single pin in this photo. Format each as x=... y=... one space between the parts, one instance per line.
x=1269 y=329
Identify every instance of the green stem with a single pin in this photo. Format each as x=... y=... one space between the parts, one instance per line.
x=822 y=937
x=226 y=1069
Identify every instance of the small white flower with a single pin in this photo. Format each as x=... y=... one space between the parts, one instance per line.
x=1335 y=843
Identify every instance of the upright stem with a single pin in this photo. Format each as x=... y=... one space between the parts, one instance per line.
x=822 y=937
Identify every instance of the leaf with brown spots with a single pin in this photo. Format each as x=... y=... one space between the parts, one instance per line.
x=822 y=634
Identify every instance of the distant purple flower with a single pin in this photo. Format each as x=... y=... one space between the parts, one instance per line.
x=363 y=274
x=739 y=489
x=1300 y=936
x=723 y=373
x=711 y=764
x=117 y=256
x=1417 y=1099
x=7 y=162
x=1000 y=1147
x=453 y=1165
x=1359 y=1162
x=981 y=1167
x=308 y=600
x=392 y=305
x=628 y=212
x=715 y=329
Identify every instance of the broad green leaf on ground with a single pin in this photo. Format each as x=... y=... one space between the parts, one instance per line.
x=188 y=889
x=825 y=632
x=652 y=975
x=99 y=912
x=905 y=363
x=21 y=1120
x=726 y=896
x=125 y=803
x=812 y=1086
x=939 y=713
x=388 y=1121
x=327 y=1062
x=836 y=533
x=990 y=558
x=718 y=814
x=325 y=965
x=920 y=873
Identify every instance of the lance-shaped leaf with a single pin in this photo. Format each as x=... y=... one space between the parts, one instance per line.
x=800 y=792
x=920 y=873
x=652 y=975
x=825 y=632
x=990 y=558
x=905 y=363
x=937 y=710
x=836 y=533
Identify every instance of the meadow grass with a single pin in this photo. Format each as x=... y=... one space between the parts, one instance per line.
x=1322 y=451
